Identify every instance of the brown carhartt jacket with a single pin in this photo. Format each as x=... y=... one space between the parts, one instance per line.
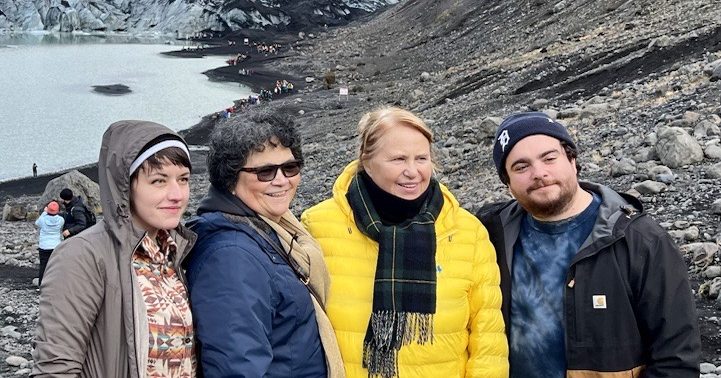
x=89 y=308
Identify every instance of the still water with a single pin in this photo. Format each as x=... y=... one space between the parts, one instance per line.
x=50 y=115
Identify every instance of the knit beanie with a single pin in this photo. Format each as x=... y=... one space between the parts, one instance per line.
x=66 y=194
x=520 y=125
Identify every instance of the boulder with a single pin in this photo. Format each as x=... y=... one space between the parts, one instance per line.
x=650 y=187
x=81 y=186
x=16 y=361
x=713 y=151
x=714 y=171
x=662 y=174
x=487 y=127
x=716 y=73
x=622 y=167
x=711 y=288
x=568 y=113
x=712 y=272
x=709 y=68
x=594 y=110
x=539 y=103
x=691 y=117
x=707 y=368
x=702 y=254
x=644 y=154
x=706 y=128
x=675 y=147
x=14 y=212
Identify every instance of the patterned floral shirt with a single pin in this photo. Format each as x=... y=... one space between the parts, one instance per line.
x=170 y=323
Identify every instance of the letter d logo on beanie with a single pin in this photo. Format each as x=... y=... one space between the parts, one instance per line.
x=520 y=125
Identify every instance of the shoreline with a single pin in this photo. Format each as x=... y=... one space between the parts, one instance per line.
x=197 y=133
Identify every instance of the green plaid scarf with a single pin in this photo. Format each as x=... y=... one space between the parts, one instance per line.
x=404 y=292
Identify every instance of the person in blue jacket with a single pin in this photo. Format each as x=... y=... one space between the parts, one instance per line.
x=50 y=225
x=257 y=279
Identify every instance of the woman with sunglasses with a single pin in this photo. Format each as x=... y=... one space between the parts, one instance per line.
x=415 y=283
x=257 y=279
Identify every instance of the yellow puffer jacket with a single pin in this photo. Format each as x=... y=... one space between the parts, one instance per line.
x=469 y=338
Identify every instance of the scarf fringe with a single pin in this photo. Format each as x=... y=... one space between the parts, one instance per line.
x=391 y=331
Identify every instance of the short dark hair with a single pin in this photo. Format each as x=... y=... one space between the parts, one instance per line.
x=172 y=155
x=232 y=142
x=571 y=153
x=66 y=194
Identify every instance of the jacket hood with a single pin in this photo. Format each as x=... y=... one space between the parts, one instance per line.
x=53 y=220
x=74 y=202
x=223 y=201
x=611 y=203
x=613 y=206
x=342 y=183
x=210 y=213
x=122 y=142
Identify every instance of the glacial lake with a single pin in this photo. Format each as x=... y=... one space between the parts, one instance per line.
x=50 y=115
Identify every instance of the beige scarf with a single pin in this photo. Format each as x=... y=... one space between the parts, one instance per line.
x=305 y=251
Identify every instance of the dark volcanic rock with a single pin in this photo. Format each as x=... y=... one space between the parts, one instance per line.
x=113 y=89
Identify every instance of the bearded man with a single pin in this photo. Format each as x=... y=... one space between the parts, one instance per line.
x=592 y=286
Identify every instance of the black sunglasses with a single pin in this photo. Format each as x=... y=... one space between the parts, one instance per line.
x=267 y=172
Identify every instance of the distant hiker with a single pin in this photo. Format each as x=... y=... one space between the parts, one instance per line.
x=35 y=170
x=113 y=303
x=50 y=224
x=76 y=219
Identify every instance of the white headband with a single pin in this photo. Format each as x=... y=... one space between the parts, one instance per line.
x=155 y=148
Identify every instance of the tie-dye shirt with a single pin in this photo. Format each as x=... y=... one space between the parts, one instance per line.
x=541 y=258
x=170 y=323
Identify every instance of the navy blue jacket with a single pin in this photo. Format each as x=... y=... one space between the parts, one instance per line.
x=253 y=316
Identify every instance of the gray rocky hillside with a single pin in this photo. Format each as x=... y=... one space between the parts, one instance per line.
x=635 y=81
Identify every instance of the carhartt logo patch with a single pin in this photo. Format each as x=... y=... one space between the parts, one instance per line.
x=599 y=301
x=503 y=139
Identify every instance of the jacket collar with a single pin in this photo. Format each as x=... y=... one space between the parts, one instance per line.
x=446 y=219
x=613 y=206
x=121 y=143
x=223 y=201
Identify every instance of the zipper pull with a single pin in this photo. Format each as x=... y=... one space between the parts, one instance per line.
x=572 y=283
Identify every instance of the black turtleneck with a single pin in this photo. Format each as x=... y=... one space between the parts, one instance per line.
x=392 y=209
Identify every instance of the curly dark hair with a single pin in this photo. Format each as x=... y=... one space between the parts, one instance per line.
x=571 y=153
x=232 y=142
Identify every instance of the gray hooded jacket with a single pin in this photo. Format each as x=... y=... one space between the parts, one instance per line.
x=90 y=316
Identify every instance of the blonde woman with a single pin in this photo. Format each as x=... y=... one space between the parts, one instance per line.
x=415 y=286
